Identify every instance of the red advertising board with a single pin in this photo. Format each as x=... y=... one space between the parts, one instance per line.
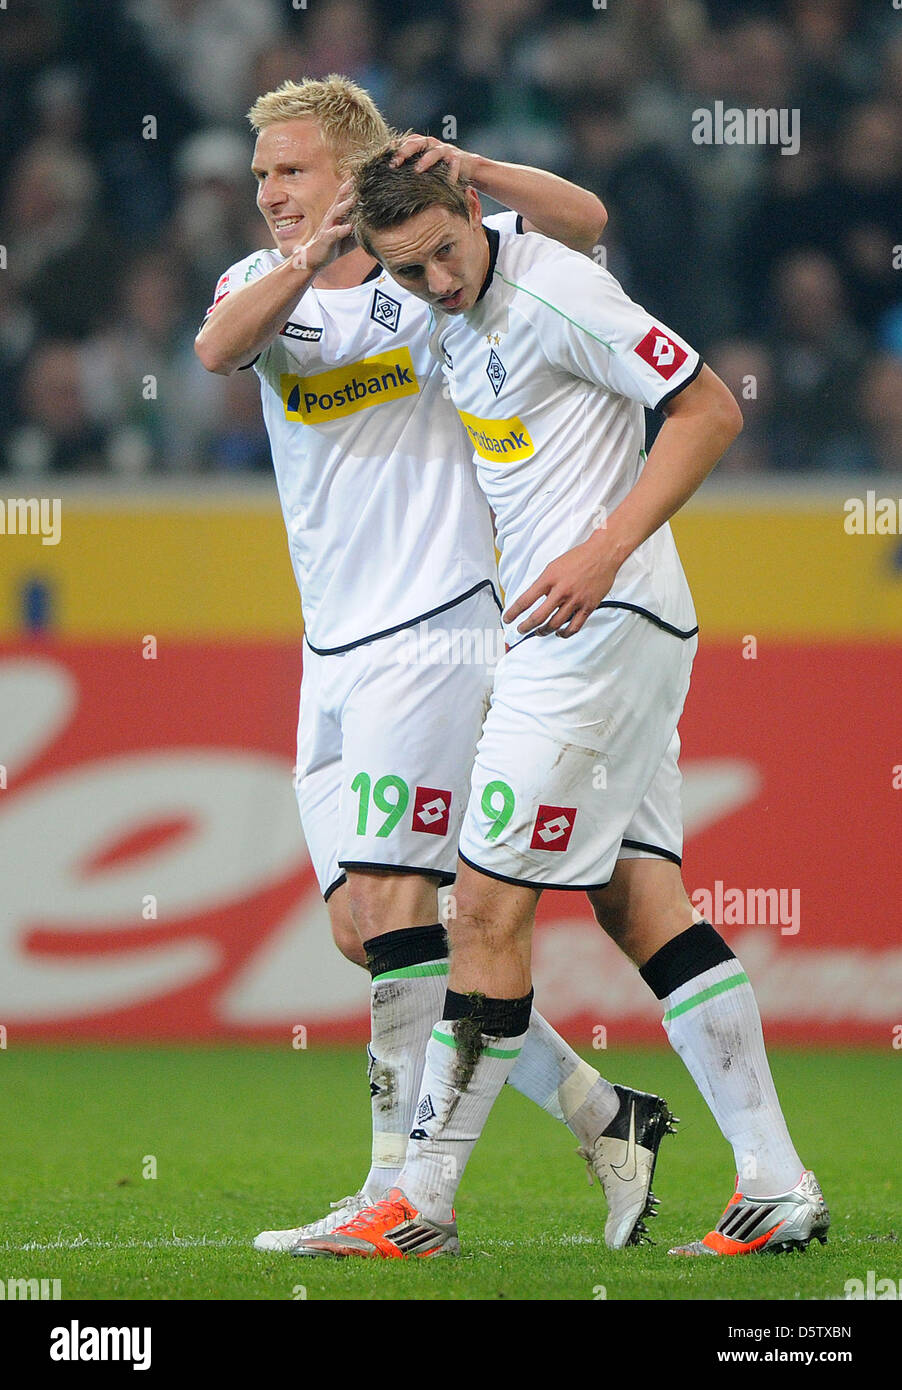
x=156 y=883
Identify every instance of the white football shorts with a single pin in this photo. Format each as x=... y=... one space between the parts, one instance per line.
x=577 y=764
x=387 y=732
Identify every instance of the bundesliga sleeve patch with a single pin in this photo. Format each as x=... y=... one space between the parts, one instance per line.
x=553 y=827
x=661 y=352
x=222 y=289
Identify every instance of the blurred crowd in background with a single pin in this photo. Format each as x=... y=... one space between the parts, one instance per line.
x=780 y=268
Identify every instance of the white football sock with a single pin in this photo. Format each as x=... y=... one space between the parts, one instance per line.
x=404 y=1005
x=550 y=1073
x=712 y=1021
x=460 y=1085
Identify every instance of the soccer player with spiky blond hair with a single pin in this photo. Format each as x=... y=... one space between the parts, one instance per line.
x=389 y=536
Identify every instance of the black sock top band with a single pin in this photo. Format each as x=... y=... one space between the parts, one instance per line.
x=395 y=950
x=497 y=1018
x=694 y=951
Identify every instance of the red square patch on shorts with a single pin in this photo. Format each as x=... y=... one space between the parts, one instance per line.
x=431 y=808
x=661 y=352
x=553 y=827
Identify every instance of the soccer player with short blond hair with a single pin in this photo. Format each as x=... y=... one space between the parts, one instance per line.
x=389 y=535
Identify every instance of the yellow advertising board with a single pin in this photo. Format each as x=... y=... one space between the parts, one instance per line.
x=214 y=563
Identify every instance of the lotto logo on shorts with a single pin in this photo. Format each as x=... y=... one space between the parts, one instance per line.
x=553 y=827
x=661 y=352
x=431 y=808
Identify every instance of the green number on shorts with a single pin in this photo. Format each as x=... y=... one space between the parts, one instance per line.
x=394 y=809
x=499 y=816
x=361 y=784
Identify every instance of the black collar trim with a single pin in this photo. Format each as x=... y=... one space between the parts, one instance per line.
x=493 y=237
x=373 y=275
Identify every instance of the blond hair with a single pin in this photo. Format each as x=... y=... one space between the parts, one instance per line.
x=349 y=120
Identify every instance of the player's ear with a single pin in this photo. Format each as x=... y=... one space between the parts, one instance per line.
x=474 y=207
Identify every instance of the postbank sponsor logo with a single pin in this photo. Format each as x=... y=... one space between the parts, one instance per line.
x=333 y=395
x=494 y=439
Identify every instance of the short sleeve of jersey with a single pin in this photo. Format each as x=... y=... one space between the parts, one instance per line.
x=237 y=275
x=242 y=273
x=589 y=326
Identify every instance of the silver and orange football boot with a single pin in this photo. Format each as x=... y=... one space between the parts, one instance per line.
x=767 y=1225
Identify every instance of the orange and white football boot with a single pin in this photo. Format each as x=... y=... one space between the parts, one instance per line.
x=391 y=1230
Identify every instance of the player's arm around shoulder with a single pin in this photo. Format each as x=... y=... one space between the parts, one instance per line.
x=547 y=203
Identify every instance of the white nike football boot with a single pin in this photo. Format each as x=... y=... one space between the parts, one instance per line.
x=341 y=1212
x=767 y=1225
x=623 y=1159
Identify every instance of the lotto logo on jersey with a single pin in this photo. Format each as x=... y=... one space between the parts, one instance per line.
x=303 y=331
x=333 y=395
x=493 y=439
x=661 y=352
x=553 y=827
x=431 y=808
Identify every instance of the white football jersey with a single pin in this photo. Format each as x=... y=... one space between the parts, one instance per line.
x=386 y=523
x=550 y=371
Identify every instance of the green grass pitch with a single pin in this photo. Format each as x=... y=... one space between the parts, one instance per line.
x=246 y=1138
